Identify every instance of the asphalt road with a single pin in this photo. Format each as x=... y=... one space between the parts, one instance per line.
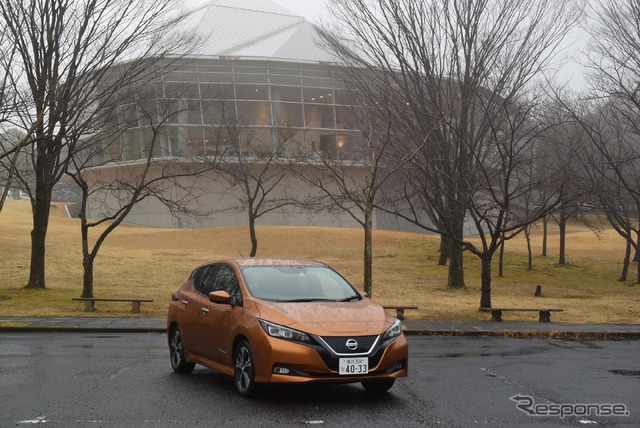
x=125 y=380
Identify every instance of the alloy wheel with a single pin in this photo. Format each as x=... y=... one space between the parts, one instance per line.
x=176 y=353
x=244 y=369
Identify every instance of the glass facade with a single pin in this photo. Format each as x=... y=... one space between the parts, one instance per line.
x=210 y=102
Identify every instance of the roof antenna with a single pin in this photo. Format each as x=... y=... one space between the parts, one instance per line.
x=240 y=253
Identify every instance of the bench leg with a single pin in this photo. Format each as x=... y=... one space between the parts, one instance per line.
x=400 y=314
x=135 y=307
x=545 y=316
x=496 y=316
x=89 y=305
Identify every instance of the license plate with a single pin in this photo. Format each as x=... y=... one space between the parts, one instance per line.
x=354 y=366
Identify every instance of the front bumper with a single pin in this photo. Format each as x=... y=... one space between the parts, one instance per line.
x=282 y=361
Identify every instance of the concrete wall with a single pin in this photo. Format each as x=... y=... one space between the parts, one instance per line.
x=216 y=203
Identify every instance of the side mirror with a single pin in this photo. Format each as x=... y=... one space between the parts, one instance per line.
x=220 y=297
x=364 y=293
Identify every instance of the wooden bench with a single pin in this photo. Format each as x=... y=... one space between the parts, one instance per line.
x=89 y=303
x=400 y=310
x=545 y=313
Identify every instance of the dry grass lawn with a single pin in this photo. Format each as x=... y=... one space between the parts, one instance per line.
x=151 y=263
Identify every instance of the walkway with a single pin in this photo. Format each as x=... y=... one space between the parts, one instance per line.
x=413 y=327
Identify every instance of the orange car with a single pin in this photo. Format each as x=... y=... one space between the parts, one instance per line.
x=281 y=320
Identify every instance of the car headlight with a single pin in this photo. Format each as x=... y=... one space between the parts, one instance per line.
x=275 y=330
x=394 y=331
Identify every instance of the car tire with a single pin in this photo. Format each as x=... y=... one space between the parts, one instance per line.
x=176 y=353
x=244 y=368
x=378 y=386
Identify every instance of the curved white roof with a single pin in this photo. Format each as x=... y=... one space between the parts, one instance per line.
x=256 y=28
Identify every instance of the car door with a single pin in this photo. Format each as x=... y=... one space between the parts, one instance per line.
x=188 y=314
x=195 y=325
x=220 y=317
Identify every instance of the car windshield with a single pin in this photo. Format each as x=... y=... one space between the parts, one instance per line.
x=297 y=284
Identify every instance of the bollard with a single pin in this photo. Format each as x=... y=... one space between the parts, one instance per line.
x=538 y=291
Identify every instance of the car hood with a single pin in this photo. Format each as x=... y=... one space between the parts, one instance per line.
x=362 y=317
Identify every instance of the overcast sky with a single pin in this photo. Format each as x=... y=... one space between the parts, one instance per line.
x=313 y=10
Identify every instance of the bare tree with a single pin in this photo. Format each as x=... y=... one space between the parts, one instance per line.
x=611 y=118
x=611 y=158
x=72 y=56
x=349 y=176
x=614 y=62
x=465 y=71
x=12 y=142
x=252 y=168
x=579 y=201
x=7 y=96
x=112 y=185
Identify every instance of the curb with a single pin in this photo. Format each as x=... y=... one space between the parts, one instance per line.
x=530 y=334
x=38 y=329
x=517 y=334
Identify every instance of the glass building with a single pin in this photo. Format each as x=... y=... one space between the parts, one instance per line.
x=259 y=68
x=261 y=72
x=263 y=96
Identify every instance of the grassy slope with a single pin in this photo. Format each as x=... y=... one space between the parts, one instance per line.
x=151 y=263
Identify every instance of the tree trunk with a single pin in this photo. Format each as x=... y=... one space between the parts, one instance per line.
x=368 y=248
x=563 y=236
x=254 y=237
x=87 y=257
x=456 y=268
x=626 y=261
x=545 y=226
x=445 y=246
x=87 y=276
x=638 y=264
x=527 y=234
x=41 y=208
x=38 y=239
x=485 y=296
x=456 y=260
x=501 y=261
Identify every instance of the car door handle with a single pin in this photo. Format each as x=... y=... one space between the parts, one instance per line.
x=204 y=310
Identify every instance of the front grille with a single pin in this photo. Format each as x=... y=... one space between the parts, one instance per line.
x=374 y=351
x=339 y=345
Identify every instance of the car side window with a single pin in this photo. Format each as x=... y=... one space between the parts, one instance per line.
x=226 y=281
x=203 y=279
x=196 y=278
x=208 y=282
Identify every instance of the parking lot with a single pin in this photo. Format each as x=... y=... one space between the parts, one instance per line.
x=124 y=379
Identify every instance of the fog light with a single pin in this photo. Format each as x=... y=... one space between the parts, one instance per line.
x=281 y=370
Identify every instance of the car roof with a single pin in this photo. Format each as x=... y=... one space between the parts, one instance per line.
x=255 y=261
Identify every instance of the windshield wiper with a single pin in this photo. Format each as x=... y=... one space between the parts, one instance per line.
x=314 y=299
